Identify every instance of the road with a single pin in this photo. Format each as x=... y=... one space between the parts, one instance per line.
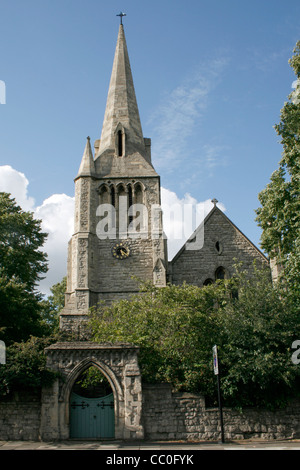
x=151 y=447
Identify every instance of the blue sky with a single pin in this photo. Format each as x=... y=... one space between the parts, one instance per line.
x=210 y=79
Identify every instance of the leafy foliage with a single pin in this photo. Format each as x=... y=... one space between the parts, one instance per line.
x=258 y=330
x=22 y=264
x=19 y=312
x=177 y=326
x=278 y=215
x=20 y=241
x=52 y=306
x=92 y=384
x=25 y=367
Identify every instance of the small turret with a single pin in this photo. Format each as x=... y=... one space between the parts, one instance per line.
x=87 y=166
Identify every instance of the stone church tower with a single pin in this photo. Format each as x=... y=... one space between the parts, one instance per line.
x=118 y=228
x=118 y=236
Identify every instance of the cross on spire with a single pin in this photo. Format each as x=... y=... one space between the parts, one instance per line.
x=121 y=105
x=121 y=14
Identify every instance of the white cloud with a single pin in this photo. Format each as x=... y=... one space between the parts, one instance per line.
x=180 y=113
x=296 y=83
x=56 y=214
x=215 y=155
x=181 y=217
x=16 y=183
x=295 y=95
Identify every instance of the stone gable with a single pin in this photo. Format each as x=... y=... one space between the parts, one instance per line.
x=223 y=246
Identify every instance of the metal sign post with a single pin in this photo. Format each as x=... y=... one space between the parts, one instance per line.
x=217 y=373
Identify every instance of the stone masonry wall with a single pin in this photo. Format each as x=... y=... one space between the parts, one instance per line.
x=20 y=416
x=165 y=416
x=183 y=416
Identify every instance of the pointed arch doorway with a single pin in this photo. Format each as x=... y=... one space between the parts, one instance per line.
x=118 y=362
x=92 y=406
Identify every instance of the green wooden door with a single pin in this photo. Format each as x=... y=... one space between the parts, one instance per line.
x=92 y=417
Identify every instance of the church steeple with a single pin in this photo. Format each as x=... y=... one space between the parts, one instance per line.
x=117 y=199
x=122 y=130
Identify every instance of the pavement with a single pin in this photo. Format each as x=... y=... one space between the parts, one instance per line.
x=162 y=447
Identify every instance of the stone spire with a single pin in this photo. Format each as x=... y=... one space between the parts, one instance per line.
x=122 y=114
x=87 y=166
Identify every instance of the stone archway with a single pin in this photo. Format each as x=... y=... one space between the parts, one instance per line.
x=92 y=405
x=117 y=362
x=118 y=396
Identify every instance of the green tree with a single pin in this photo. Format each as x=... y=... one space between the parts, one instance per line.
x=278 y=215
x=258 y=329
x=52 y=306
x=19 y=312
x=22 y=264
x=21 y=238
x=177 y=326
x=25 y=367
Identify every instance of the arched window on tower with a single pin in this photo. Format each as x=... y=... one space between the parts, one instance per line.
x=104 y=197
x=120 y=143
x=130 y=202
x=138 y=194
x=122 y=210
x=141 y=213
x=113 y=197
x=105 y=211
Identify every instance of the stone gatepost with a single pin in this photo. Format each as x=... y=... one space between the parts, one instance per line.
x=118 y=363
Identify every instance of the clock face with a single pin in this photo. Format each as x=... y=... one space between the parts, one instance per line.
x=120 y=251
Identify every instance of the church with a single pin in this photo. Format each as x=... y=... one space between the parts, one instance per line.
x=118 y=229
x=118 y=238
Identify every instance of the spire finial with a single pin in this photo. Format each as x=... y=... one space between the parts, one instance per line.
x=214 y=201
x=121 y=14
